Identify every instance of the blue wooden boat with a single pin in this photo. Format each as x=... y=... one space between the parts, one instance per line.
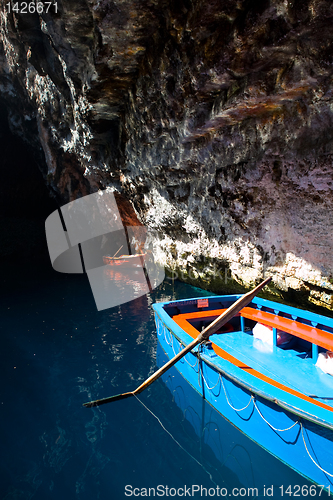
x=275 y=394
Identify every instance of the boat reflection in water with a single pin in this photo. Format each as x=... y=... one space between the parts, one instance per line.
x=127 y=282
x=232 y=458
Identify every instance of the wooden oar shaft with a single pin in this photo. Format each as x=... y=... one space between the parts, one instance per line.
x=233 y=310
x=204 y=335
x=168 y=365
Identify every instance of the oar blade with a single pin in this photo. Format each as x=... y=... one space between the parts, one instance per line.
x=111 y=399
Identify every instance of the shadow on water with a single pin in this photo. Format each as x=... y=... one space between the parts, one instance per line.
x=57 y=352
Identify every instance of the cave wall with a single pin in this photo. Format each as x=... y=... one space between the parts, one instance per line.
x=213 y=118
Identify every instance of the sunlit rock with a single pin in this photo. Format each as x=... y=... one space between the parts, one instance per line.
x=213 y=119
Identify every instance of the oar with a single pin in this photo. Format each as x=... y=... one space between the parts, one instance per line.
x=204 y=335
x=117 y=251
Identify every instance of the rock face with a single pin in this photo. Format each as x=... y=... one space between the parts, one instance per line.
x=213 y=118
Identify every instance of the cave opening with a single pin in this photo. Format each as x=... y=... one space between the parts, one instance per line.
x=25 y=201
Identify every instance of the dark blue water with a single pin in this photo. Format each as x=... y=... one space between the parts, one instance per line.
x=57 y=352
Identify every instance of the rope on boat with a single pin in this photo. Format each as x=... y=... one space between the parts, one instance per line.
x=220 y=378
x=274 y=428
x=160 y=328
x=173 y=349
x=226 y=396
x=271 y=426
x=210 y=388
x=166 y=340
x=175 y=353
x=195 y=364
x=264 y=419
x=313 y=460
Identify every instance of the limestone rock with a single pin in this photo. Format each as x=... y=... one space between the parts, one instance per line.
x=214 y=119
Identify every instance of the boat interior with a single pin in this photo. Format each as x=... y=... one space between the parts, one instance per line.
x=292 y=364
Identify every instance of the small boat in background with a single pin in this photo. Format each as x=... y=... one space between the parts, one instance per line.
x=126 y=261
x=267 y=371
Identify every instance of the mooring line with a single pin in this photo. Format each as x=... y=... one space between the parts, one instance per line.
x=175 y=440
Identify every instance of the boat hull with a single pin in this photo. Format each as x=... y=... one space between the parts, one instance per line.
x=231 y=456
x=301 y=443
x=125 y=261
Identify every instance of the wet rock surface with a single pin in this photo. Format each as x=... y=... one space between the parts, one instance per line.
x=213 y=119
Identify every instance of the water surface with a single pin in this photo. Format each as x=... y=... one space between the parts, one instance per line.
x=57 y=352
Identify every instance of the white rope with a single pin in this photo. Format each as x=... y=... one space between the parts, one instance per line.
x=210 y=388
x=180 y=349
x=192 y=366
x=195 y=364
x=172 y=347
x=279 y=430
x=271 y=426
x=236 y=409
x=323 y=470
x=171 y=336
x=179 y=345
x=160 y=328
